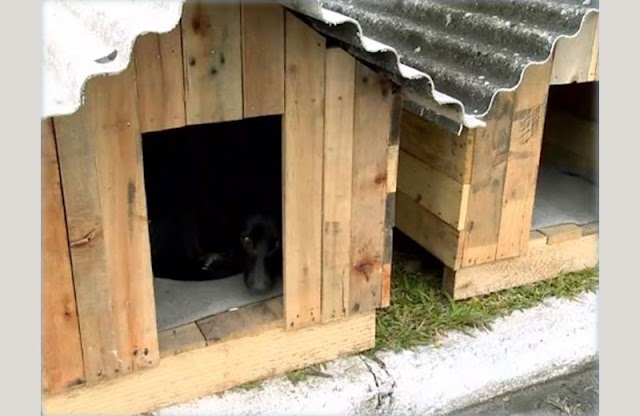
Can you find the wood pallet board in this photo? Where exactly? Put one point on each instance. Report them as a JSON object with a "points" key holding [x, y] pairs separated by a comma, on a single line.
{"points": [[303, 136], [62, 364], [205, 371], [540, 262]]}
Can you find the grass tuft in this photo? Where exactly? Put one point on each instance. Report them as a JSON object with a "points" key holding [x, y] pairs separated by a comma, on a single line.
{"points": [[420, 312]]}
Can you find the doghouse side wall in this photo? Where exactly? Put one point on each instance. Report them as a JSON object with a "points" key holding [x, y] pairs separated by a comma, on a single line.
{"points": [[340, 154], [468, 199]]}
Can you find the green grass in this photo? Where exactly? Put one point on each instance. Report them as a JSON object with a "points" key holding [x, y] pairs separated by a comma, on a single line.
{"points": [[421, 312]]}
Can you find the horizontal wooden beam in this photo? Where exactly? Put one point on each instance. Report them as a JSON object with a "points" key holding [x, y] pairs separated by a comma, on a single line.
{"points": [[218, 367]]}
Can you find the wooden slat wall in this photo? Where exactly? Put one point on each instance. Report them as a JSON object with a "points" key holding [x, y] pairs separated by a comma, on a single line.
{"points": [[211, 42], [373, 109], [263, 59], [521, 176], [338, 162], [159, 72], [490, 152], [576, 59], [101, 168], [61, 349], [303, 137]]}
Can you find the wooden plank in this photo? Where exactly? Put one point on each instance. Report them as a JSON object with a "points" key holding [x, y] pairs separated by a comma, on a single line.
{"points": [[263, 59], [181, 339], [560, 233], [338, 155], [572, 56], [537, 264], [61, 349], [429, 231], [302, 172], [522, 165], [392, 168], [218, 367], [211, 41], [375, 98], [537, 239], [242, 322], [160, 80], [440, 149], [436, 192], [591, 228], [490, 150], [102, 175]]}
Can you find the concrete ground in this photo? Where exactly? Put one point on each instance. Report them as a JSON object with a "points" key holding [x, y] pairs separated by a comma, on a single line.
{"points": [[575, 394], [527, 347]]}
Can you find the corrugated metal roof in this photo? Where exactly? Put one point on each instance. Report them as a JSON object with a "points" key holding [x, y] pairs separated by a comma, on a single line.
{"points": [[82, 39], [451, 56]]}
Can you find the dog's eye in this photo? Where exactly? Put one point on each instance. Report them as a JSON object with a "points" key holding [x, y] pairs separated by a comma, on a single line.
{"points": [[246, 240]]}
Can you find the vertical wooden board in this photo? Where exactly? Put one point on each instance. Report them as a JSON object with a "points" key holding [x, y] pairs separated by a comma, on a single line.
{"points": [[160, 80], [263, 59], [101, 163], [490, 149], [211, 42], [76, 150], [522, 165], [302, 172], [572, 56], [338, 154], [373, 109], [61, 349]]}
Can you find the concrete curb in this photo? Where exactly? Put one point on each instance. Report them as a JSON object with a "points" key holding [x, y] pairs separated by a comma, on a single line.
{"points": [[524, 348]]}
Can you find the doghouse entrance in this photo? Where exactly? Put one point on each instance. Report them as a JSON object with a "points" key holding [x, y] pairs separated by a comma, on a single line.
{"points": [[567, 188], [210, 188]]}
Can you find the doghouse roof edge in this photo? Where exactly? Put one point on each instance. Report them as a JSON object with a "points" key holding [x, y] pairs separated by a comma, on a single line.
{"points": [[451, 56]]}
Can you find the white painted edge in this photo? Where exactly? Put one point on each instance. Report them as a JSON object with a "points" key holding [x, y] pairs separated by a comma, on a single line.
{"points": [[522, 349]]}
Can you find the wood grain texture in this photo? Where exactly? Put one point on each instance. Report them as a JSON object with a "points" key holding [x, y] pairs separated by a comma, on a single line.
{"points": [[433, 190], [211, 41], [591, 228], [262, 59], [181, 339], [375, 98], [160, 80], [537, 239], [490, 151], [303, 137], [206, 371], [438, 148], [429, 231], [572, 57], [61, 349], [102, 175], [338, 162], [540, 262], [525, 146], [560, 233], [243, 322]]}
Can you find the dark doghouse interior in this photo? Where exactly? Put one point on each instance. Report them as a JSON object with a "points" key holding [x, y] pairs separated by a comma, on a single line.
{"points": [[209, 190], [567, 188]]}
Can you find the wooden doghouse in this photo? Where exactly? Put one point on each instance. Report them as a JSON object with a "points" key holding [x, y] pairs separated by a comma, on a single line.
{"points": [[101, 348], [470, 199]]}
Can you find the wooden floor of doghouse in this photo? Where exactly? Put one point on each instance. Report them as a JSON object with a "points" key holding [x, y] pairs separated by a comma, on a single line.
{"points": [[563, 198], [247, 320]]}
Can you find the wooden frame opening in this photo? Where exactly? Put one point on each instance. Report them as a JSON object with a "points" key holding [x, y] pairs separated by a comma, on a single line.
{"points": [[210, 189]]}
